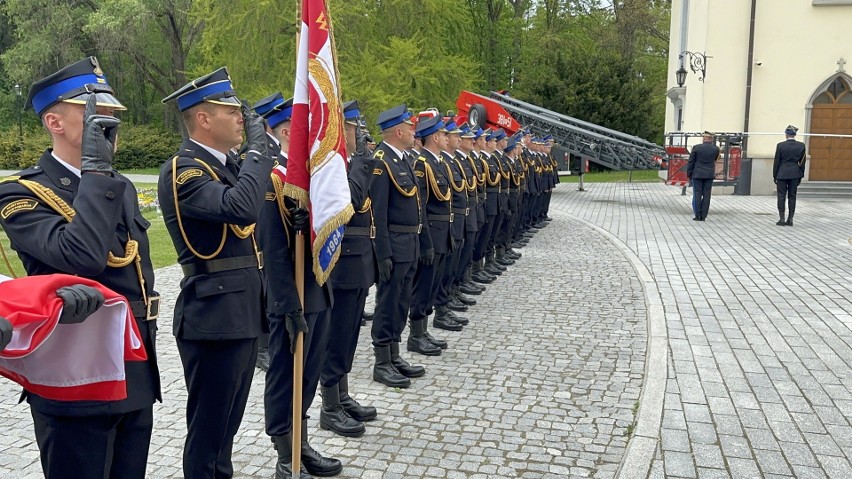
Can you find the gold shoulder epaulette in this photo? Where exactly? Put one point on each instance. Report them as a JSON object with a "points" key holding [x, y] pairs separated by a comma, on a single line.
{"points": [[421, 158], [9, 179]]}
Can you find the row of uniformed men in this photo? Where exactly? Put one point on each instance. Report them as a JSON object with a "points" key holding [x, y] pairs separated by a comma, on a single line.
{"points": [[87, 221]]}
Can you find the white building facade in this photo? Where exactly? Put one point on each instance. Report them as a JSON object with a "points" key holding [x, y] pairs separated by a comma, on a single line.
{"points": [[791, 70]]}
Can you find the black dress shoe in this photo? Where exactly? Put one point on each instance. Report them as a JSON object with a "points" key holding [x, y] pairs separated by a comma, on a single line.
{"points": [[696, 219], [437, 342], [465, 300], [482, 278], [456, 305], [467, 288], [781, 223], [334, 418], [459, 319], [443, 322], [420, 344], [790, 222]]}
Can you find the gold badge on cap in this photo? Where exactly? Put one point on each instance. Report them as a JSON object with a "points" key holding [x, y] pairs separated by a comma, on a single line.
{"points": [[97, 70]]}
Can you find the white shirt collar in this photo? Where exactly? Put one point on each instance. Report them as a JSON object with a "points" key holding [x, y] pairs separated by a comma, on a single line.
{"points": [[70, 168], [218, 154], [398, 153]]}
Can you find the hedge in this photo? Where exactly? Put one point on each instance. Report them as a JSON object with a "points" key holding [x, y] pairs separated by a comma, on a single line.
{"points": [[139, 146]]}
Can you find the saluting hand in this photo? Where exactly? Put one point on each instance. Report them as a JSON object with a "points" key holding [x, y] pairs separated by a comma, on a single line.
{"points": [[255, 127], [294, 323], [98, 141]]}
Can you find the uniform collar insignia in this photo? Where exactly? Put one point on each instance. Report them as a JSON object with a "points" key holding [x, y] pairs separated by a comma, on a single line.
{"points": [[65, 181]]}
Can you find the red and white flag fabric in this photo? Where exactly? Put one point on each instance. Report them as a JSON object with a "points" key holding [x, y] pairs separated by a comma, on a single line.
{"points": [[316, 166], [67, 362]]}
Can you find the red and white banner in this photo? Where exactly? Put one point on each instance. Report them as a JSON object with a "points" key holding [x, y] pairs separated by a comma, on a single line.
{"points": [[67, 362], [316, 168]]}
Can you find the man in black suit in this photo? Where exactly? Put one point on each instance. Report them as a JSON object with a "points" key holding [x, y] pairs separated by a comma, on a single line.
{"points": [[73, 213], [787, 171], [210, 204], [701, 169]]}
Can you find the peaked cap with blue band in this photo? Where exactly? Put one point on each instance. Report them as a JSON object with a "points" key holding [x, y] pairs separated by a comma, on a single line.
{"points": [[479, 132], [428, 126], [511, 144], [352, 113], [791, 130], [499, 134], [466, 132], [450, 126], [394, 116], [275, 109], [73, 84], [214, 88]]}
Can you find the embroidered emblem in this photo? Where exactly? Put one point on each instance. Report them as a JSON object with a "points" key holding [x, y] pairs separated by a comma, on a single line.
{"points": [[17, 207], [189, 174], [420, 174], [65, 181], [377, 171], [270, 196]]}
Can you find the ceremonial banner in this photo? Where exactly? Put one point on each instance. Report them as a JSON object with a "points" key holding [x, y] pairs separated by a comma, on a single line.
{"points": [[67, 362], [316, 167]]}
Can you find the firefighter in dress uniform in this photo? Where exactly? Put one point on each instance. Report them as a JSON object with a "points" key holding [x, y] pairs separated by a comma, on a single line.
{"points": [[210, 205], [73, 213]]}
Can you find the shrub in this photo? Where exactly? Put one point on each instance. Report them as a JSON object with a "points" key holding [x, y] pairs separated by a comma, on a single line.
{"points": [[139, 146]]}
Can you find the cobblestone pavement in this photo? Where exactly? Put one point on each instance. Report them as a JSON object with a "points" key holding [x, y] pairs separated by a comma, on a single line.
{"points": [[759, 321], [542, 384]]}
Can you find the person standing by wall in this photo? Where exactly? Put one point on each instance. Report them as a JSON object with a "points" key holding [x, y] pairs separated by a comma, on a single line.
{"points": [[701, 169], [787, 172]]}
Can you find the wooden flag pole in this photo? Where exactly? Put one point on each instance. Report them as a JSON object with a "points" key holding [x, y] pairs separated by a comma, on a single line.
{"points": [[298, 360]]}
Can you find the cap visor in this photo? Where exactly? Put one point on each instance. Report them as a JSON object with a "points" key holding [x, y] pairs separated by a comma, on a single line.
{"points": [[103, 99], [227, 101]]}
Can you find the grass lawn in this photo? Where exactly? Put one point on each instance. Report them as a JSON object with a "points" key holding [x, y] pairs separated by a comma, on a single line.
{"points": [[613, 177], [142, 171], [162, 251]]}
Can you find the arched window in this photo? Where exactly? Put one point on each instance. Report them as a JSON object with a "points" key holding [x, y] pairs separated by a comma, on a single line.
{"points": [[837, 92]]}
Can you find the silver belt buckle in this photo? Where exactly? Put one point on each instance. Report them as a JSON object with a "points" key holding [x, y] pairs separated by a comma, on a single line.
{"points": [[452, 216], [372, 232], [419, 228], [466, 211]]}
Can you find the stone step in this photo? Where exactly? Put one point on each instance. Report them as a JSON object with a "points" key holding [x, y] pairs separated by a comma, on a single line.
{"points": [[825, 189]]}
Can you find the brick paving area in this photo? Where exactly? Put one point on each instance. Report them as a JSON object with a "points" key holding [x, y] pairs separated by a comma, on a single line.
{"points": [[759, 320], [542, 384]]}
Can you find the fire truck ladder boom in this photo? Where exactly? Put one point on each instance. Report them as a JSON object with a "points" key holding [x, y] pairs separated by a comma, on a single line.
{"points": [[606, 147]]}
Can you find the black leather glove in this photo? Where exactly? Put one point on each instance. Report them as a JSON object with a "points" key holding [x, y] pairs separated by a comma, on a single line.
{"points": [[385, 269], [79, 302], [294, 322], [98, 141], [5, 333], [255, 125], [428, 257], [300, 219]]}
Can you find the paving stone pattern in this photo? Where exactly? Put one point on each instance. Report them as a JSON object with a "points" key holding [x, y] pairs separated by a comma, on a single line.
{"points": [[759, 321], [542, 384]]}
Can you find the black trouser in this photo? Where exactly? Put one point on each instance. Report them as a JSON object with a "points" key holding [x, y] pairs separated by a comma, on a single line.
{"points": [[444, 283], [495, 231], [547, 196], [465, 256], [425, 291], [483, 236], [113, 446], [393, 299], [218, 378], [702, 189], [787, 189], [527, 213], [346, 314], [278, 396]]}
